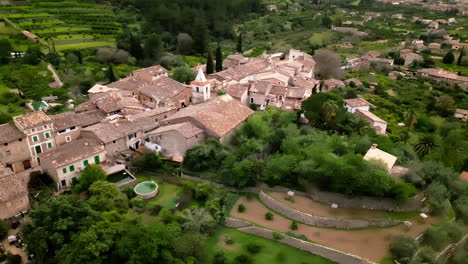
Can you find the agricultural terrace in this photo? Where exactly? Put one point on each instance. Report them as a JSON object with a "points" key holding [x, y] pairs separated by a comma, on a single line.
{"points": [[69, 24], [371, 243]]}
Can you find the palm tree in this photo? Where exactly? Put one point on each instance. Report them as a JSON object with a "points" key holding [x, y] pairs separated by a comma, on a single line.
{"points": [[198, 220], [329, 109], [411, 119], [360, 126], [425, 145]]}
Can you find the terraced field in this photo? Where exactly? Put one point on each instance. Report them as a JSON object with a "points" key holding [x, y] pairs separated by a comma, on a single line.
{"points": [[68, 23]]}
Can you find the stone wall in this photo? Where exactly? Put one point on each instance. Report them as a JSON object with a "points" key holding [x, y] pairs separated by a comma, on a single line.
{"points": [[322, 221], [371, 203], [325, 252], [364, 202], [236, 223]]}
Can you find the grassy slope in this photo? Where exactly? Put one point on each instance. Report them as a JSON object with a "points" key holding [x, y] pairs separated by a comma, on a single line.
{"points": [[272, 252]]}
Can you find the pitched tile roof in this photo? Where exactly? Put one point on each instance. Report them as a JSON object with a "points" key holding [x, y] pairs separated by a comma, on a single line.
{"points": [[236, 90], [9, 132], [464, 176], [217, 117], [72, 152], [262, 87], [162, 89], [461, 111], [357, 102], [370, 116], [377, 154], [10, 185], [31, 120], [64, 120], [186, 129]]}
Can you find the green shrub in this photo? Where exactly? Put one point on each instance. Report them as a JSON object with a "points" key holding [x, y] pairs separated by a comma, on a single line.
{"points": [[241, 208], [228, 240], [155, 209], [277, 236], [253, 248], [13, 259], [3, 230], [219, 258], [137, 202], [293, 225], [281, 257], [242, 259], [403, 248], [269, 216]]}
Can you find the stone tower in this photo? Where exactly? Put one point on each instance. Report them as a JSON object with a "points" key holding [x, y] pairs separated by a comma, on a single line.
{"points": [[201, 88]]}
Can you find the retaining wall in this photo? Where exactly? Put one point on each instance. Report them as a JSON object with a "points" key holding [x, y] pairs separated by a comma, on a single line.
{"points": [[364, 202], [325, 252], [322, 221]]}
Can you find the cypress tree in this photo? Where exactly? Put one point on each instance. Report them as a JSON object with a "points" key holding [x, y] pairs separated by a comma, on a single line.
{"points": [[209, 64], [239, 43], [219, 59], [448, 58], [460, 58], [110, 74]]}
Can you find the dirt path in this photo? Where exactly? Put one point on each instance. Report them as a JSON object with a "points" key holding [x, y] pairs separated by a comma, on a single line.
{"points": [[307, 205], [12, 249], [368, 243]]}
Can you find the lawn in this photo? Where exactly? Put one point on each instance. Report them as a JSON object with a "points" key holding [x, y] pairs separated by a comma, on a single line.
{"points": [[271, 252], [167, 195]]}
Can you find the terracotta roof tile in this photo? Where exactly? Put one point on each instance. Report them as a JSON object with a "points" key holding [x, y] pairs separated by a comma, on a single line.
{"points": [[72, 152], [32, 120], [186, 129], [10, 185], [9, 132]]}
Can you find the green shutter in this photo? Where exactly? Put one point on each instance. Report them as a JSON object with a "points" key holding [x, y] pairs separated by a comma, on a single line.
{"points": [[85, 163], [97, 160], [64, 170], [35, 138], [49, 145], [71, 168], [47, 135]]}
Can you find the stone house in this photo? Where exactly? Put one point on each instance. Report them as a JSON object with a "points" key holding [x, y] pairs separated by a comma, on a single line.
{"points": [[356, 82], [218, 118], [234, 60], [39, 131], [14, 148], [434, 47], [258, 92], [176, 139], [329, 84], [441, 75], [239, 92], [163, 92], [357, 103], [151, 73], [272, 8], [67, 126], [461, 114], [13, 194], [377, 123], [411, 57], [65, 163]]}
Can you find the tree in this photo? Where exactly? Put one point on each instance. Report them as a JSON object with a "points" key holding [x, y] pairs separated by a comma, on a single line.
{"points": [[403, 248], [184, 43], [5, 51], [327, 21], [183, 74], [198, 220], [200, 35], [425, 145], [448, 58], [53, 58], [153, 47], [209, 63], [149, 161], [329, 109], [328, 64], [33, 56], [106, 196], [219, 59], [239, 43], [110, 74], [135, 48], [91, 174], [460, 57], [3, 230]]}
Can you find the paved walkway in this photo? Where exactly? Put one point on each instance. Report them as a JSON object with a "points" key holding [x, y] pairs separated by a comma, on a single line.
{"points": [[57, 82]]}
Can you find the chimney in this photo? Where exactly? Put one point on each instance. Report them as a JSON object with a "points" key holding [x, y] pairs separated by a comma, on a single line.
{"points": [[374, 146], [86, 143]]}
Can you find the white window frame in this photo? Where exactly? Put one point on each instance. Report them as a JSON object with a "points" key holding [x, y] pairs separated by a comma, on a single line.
{"points": [[68, 139], [50, 135]]}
